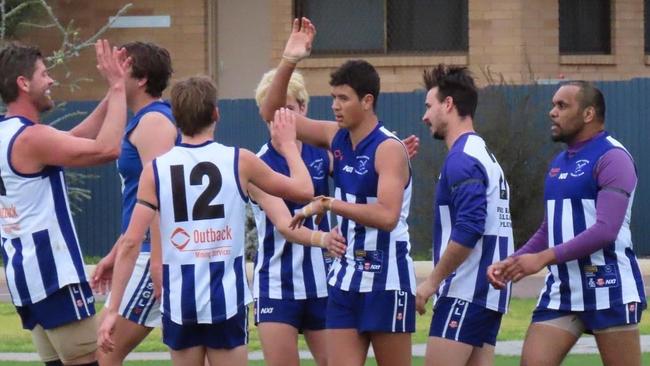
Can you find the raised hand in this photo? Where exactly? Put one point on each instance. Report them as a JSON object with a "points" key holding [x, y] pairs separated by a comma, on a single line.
{"points": [[111, 62], [283, 130], [299, 43]]}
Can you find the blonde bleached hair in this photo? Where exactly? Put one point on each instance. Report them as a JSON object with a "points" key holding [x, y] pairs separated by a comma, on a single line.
{"points": [[295, 89]]}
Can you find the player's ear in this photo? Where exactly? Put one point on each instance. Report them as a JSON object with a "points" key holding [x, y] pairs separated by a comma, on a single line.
{"points": [[215, 114]]}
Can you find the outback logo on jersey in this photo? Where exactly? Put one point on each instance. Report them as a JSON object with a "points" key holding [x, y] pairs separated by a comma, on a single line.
{"points": [[8, 212], [206, 243], [180, 238], [580, 164], [317, 169]]}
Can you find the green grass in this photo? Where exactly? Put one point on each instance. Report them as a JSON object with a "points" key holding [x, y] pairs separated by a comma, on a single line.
{"points": [[572, 360], [14, 339]]}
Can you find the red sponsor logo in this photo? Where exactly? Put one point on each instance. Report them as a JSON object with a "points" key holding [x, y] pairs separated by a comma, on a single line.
{"points": [[400, 316], [632, 307], [554, 172], [80, 303], [366, 266], [180, 238], [600, 282], [453, 324], [338, 154]]}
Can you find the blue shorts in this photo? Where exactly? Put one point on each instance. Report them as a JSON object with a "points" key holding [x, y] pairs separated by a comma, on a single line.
{"points": [[308, 314], [228, 334], [68, 304], [595, 320], [390, 311], [462, 321]]}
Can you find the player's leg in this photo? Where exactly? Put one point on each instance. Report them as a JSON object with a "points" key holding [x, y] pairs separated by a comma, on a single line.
{"points": [[346, 346], [277, 324], [462, 333], [392, 349], [482, 356], [192, 356], [237, 356], [313, 325], [227, 342], [550, 336], [617, 334], [389, 318]]}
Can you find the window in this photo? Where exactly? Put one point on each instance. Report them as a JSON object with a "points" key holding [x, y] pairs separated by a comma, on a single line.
{"points": [[585, 27], [387, 26]]}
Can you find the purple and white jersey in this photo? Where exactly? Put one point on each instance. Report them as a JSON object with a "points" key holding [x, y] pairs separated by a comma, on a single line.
{"points": [[375, 260], [284, 270], [39, 243], [202, 215], [472, 208], [606, 278]]}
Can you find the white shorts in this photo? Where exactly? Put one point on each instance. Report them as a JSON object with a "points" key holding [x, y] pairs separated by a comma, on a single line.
{"points": [[138, 303]]}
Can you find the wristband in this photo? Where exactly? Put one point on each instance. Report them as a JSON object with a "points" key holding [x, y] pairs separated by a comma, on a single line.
{"points": [[317, 238]]}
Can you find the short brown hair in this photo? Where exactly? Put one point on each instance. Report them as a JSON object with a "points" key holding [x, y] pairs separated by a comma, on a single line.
{"points": [[152, 62], [193, 102], [16, 60]]}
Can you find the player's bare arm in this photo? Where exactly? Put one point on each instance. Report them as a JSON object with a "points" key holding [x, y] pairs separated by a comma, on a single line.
{"points": [[279, 214], [128, 248], [33, 149], [392, 168], [298, 187], [90, 126], [454, 255]]}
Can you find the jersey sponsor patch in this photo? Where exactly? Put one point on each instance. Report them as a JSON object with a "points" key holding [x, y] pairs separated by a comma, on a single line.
{"points": [[368, 261], [601, 276]]}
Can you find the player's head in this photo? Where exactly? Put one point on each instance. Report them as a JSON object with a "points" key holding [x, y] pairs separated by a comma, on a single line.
{"points": [[23, 72], [194, 104], [451, 97], [151, 68], [578, 108], [355, 90], [297, 96]]}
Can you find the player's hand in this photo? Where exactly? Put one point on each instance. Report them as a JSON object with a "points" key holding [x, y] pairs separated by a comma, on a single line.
{"points": [[335, 243], [525, 265], [319, 206], [283, 131], [423, 293], [100, 281], [495, 274], [412, 144], [156, 279], [105, 332], [112, 63], [298, 45]]}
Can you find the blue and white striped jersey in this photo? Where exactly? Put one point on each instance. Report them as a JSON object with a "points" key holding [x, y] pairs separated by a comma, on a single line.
{"points": [[129, 164], [606, 278], [39, 243], [284, 270], [470, 165], [375, 260], [202, 216]]}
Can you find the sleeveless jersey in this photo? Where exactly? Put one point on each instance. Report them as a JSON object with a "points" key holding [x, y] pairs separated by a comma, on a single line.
{"points": [[284, 270], [469, 281], [39, 243], [129, 164], [375, 260], [202, 215], [606, 278]]}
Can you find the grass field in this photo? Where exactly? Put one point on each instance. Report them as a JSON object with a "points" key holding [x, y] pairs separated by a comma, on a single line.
{"points": [[14, 339]]}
